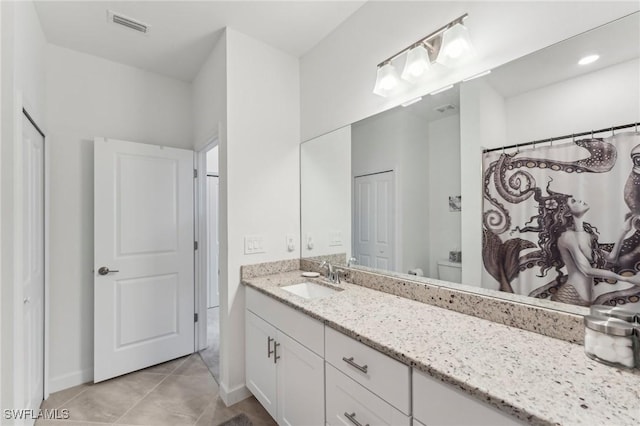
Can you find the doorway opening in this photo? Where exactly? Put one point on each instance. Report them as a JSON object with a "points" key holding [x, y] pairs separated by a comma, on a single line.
{"points": [[208, 232]]}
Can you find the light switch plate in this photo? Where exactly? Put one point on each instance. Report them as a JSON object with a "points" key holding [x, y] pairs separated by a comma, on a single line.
{"points": [[335, 238], [291, 242], [253, 244]]}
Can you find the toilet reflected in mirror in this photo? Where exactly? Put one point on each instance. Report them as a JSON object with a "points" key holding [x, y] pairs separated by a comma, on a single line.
{"points": [[450, 271]]}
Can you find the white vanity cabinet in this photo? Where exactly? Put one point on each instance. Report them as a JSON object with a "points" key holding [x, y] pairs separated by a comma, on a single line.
{"points": [[437, 403], [286, 376], [364, 386]]}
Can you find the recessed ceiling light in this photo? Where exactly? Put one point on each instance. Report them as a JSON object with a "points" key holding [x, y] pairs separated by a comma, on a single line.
{"points": [[588, 59]]}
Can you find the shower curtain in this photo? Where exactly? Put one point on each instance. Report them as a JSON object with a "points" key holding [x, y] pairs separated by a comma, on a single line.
{"points": [[562, 222]]}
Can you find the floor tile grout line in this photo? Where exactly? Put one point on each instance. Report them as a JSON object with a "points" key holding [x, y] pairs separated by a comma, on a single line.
{"points": [[205, 410], [179, 365], [140, 399], [88, 387], [152, 389], [72, 398]]}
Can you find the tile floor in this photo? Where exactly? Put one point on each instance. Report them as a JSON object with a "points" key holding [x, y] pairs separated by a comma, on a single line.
{"points": [[176, 393], [211, 355]]}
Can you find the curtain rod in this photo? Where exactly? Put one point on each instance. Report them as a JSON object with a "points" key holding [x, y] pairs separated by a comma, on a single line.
{"points": [[574, 135]]}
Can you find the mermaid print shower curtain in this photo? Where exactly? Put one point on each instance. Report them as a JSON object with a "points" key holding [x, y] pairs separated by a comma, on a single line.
{"points": [[562, 222]]}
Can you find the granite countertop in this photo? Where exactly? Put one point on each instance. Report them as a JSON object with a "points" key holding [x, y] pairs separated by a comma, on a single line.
{"points": [[538, 379]]}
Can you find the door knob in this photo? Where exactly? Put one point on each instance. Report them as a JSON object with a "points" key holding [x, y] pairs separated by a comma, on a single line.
{"points": [[104, 270], [26, 300]]}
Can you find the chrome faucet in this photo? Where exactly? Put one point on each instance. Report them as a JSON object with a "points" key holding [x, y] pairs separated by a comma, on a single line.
{"points": [[329, 267], [333, 275]]}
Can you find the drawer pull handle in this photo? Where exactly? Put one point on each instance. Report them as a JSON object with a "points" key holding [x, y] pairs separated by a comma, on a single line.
{"points": [[352, 418], [276, 357], [269, 351], [349, 361]]}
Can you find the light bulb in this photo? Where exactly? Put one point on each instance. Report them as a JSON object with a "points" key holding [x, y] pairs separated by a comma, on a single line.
{"points": [[387, 80], [417, 64], [456, 45]]}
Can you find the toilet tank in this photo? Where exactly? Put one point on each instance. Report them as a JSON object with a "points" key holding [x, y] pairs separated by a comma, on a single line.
{"points": [[450, 271]]}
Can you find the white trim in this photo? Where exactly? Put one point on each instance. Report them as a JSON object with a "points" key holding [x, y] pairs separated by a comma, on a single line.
{"points": [[18, 308], [18, 311], [201, 235], [235, 395], [47, 262], [69, 380]]}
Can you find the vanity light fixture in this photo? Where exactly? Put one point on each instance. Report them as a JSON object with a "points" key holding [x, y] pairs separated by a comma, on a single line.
{"points": [[447, 45], [387, 80], [456, 45], [442, 90], [417, 64], [588, 59]]}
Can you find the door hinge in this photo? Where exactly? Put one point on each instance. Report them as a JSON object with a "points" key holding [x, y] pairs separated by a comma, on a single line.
{"points": [[195, 245], [195, 173], [195, 317]]}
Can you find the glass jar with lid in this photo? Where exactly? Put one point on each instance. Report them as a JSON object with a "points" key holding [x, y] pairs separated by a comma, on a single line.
{"points": [[611, 341]]}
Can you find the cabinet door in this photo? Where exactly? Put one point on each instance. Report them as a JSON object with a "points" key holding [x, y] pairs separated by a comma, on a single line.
{"points": [[260, 362], [300, 384]]}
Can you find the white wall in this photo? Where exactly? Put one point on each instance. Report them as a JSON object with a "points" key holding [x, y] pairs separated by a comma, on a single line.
{"points": [[398, 140], [86, 97], [482, 124], [209, 96], [444, 181], [604, 98], [337, 76], [325, 174], [261, 162], [212, 160], [23, 46]]}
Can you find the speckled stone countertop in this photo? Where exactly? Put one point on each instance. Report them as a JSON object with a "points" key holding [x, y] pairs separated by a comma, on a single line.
{"points": [[538, 379]]}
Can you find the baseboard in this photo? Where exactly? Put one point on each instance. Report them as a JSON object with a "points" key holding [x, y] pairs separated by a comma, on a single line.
{"points": [[70, 380], [235, 395]]}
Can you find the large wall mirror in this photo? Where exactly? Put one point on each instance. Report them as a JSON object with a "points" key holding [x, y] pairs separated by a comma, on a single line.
{"points": [[402, 191]]}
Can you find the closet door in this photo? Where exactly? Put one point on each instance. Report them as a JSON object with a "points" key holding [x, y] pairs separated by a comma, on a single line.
{"points": [[32, 256], [374, 220]]}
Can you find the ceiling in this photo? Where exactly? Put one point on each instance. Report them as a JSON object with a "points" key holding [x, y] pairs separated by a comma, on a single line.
{"points": [[615, 42], [183, 33]]}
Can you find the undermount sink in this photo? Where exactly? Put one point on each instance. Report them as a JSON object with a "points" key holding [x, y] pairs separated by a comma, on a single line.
{"points": [[310, 290]]}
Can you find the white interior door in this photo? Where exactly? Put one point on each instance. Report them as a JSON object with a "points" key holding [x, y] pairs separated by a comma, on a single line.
{"points": [[213, 297], [33, 262], [144, 256], [374, 222]]}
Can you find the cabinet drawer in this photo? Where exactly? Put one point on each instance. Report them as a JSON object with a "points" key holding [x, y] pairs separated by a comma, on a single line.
{"points": [[346, 397], [304, 329], [437, 403], [384, 376]]}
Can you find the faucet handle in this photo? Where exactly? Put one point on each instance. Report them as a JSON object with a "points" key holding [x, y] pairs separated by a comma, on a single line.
{"points": [[338, 273], [351, 261]]}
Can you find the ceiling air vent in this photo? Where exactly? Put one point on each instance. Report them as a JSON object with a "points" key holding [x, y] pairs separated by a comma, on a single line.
{"points": [[445, 108], [116, 18]]}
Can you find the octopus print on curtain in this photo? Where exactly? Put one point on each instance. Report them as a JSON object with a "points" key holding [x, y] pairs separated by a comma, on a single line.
{"points": [[562, 222]]}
